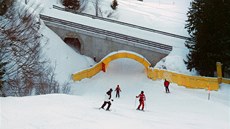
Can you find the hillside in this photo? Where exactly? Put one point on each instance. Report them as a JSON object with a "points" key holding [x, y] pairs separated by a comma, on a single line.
{"points": [[181, 109], [129, 11]]}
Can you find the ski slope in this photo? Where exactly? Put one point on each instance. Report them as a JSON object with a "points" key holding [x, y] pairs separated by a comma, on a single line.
{"points": [[181, 109]]}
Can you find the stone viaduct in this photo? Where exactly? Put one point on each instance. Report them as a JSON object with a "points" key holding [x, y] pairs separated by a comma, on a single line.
{"points": [[95, 42]]}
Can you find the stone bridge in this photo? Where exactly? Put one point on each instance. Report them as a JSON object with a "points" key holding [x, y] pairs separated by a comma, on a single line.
{"points": [[95, 42]]}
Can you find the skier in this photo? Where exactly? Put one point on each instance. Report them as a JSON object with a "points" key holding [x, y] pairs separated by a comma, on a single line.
{"points": [[118, 90], [166, 84], [108, 99], [94, 58], [142, 99]]}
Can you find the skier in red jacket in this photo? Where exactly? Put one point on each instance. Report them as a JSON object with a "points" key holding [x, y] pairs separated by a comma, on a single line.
{"points": [[142, 99], [118, 90], [166, 84]]}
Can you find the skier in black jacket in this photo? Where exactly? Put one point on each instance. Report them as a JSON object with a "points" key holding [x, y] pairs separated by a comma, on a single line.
{"points": [[108, 99]]}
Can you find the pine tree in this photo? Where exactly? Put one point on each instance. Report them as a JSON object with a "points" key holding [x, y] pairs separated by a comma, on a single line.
{"points": [[209, 27], [114, 4], [72, 4]]}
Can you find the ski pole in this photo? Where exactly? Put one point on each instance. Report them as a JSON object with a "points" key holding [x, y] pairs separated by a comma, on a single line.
{"points": [[209, 93], [135, 102]]}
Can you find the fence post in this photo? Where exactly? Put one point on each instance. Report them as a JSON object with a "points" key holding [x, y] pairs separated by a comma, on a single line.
{"points": [[219, 72]]}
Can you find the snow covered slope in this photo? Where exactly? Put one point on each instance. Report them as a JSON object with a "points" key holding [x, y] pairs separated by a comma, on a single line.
{"points": [[181, 109], [65, 60]]}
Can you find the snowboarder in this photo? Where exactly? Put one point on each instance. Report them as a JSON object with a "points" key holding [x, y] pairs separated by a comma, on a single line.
{"points": [[166, 84], [118, 90], [108, 99], [142, 99]]}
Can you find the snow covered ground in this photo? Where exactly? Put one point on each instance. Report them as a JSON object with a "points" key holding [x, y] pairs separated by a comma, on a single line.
{"points": [[65, 59], [181, 109], [165, 15]]}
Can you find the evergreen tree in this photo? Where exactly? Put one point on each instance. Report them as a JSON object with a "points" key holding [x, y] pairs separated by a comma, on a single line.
{"points": [[114, 4], [72, 4], [209, 27]]}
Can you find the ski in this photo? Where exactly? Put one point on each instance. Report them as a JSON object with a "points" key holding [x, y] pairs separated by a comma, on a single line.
{"points": [[104, 109], [141, 110]]}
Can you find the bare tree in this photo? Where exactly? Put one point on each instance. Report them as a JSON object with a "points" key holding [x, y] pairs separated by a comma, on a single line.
{"points": [[83, 5], [46, 82], [98, 11], [66, 88], [21, 49]]}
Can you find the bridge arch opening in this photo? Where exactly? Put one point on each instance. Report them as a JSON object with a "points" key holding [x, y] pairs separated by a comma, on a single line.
{"points": [[124, 54], [103, 64], [74, 43], [125, 67]]}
